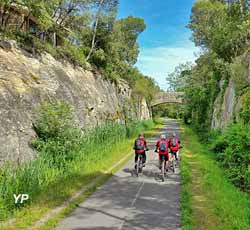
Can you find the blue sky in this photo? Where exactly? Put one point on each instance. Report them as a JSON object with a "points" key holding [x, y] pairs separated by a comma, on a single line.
{"points": [[166, 41]]}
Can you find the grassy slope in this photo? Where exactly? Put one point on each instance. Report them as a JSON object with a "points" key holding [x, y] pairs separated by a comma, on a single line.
{"points": [[66, 187], [208, 200]]}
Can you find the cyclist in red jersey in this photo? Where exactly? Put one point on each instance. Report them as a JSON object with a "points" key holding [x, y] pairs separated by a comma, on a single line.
{"points": [[174, 145], [162, 149], [140, 147]]}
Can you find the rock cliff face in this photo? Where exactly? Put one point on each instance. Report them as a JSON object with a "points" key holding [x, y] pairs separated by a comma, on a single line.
{"points": [[26, 81], [224, 106]]}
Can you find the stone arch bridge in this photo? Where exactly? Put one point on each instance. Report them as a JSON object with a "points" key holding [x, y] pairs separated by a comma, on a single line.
{"points": [[168, 97]]}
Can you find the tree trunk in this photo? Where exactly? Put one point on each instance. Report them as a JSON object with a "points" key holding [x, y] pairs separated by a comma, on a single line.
{"points": [[2, 19], [25, 19], [97, 18], [242, 6], [6, 23]]}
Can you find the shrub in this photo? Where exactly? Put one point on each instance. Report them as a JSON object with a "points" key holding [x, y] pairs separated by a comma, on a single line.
{"points": [[233, 151], [245, 112], [99, 58], [73, 53], [53, 120], [57, 134]]}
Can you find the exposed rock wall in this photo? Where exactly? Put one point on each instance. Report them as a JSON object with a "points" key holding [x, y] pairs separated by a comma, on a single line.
{"points": [[224, 106], [26, 81], [228, 104]]}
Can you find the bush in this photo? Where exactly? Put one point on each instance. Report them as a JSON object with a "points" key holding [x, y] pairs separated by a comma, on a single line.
{"points": [[57, 134], [53, 120], [233, 151], [98, 58], [73, 53]]}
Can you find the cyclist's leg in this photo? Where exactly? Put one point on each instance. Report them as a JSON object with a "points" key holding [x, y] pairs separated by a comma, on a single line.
{"points": [[170, 157], [167, 162], [144, 157], [140, 162], [160, 161], [178, 155], [174, 157], [136, 158], [175, 154], [164, 161]]}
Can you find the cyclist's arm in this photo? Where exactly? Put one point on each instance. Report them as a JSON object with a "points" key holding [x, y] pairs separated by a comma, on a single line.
{"points": [[134, 145], [156, 146]]}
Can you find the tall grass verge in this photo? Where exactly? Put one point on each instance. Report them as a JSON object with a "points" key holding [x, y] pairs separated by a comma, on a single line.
{"points": [[209, 200], [68, 157]]}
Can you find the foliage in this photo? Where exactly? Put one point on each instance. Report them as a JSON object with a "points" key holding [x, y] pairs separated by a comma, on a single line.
{"points": [[176, 79], [53, 119], [168, 110], [221, 26], [240, 73], [245, 111], [232, 149]]}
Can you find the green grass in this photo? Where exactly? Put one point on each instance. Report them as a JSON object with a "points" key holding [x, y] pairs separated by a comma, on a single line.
{"points": [[49, 185], [208, 200]]}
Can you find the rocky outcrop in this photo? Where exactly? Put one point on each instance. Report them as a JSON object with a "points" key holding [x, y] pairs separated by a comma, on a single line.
{"points": [[228, 104], [224, 106], [26, 81]]}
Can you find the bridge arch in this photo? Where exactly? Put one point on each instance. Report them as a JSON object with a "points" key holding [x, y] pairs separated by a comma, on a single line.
{"points": [[168, 97]]}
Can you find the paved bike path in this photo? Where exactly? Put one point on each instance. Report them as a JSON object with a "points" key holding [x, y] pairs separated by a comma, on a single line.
{"points": [[126, 202]]}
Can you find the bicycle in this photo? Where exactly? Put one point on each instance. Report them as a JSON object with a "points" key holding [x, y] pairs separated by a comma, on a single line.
{"points": [[163, 169], [139, 164], [163, 163], [173, 161]]}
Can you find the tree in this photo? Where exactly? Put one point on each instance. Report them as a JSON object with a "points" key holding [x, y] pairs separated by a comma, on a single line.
{"points": [[124, 38], [176, 80], [104, 8]]}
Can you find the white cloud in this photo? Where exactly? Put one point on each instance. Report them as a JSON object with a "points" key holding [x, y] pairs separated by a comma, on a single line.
{"points": [[158, 62]]}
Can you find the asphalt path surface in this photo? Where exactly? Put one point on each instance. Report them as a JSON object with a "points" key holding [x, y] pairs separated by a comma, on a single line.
{"points": [[127, 202]]}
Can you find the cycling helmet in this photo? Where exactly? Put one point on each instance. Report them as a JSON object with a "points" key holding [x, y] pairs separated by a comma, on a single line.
{"points": [[174, 134]]}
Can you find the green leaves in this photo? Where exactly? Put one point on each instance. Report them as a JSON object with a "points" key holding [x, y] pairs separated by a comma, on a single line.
{"points": [[245, 111], [220, 27], [53, 119], [233, 148]]}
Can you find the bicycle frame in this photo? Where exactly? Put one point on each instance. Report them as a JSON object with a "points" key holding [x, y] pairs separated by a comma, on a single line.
{"points": [[138, 165], [173, 161]]}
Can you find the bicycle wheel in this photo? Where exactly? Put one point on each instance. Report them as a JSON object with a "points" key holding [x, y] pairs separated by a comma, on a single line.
{"points": [[138, 166], [163, 170], [173, 164]]}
